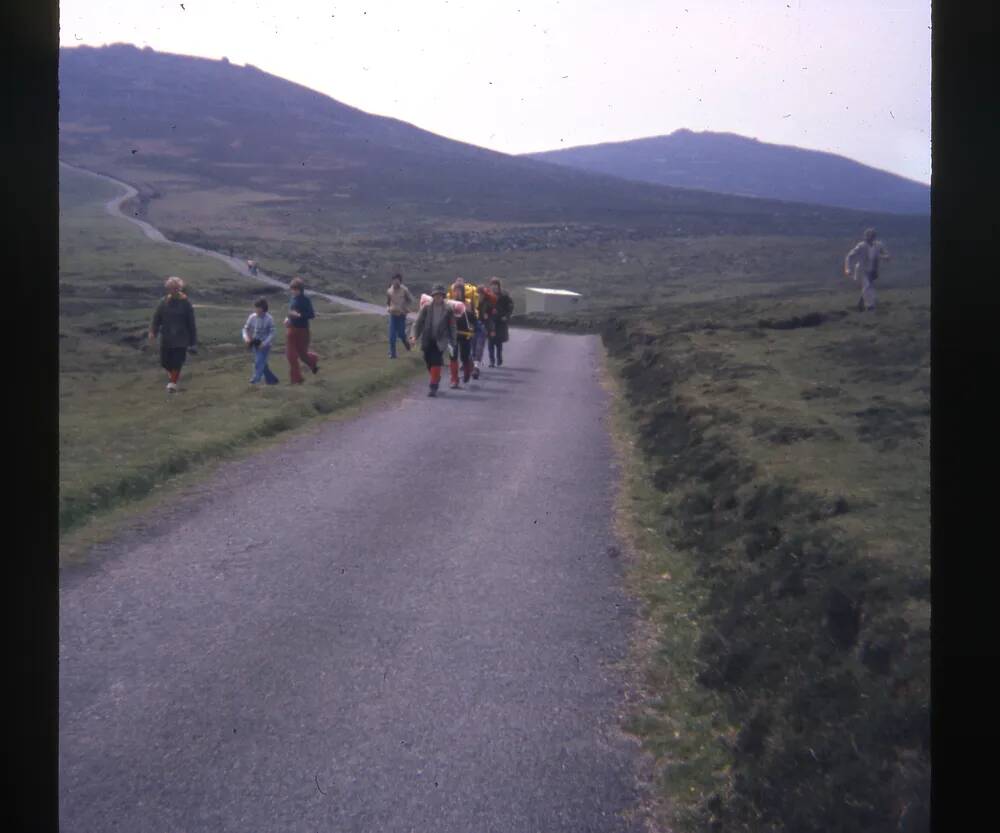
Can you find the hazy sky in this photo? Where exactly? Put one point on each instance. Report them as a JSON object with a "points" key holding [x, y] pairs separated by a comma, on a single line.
{"points": [[846, 76]]}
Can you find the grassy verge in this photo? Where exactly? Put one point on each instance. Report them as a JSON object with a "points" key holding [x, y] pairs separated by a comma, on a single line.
{"points": [[776, 493], [121, 434]]}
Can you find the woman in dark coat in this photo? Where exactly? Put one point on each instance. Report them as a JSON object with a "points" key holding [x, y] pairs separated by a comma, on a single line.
{"points": [[499, 321], [173, 322]]}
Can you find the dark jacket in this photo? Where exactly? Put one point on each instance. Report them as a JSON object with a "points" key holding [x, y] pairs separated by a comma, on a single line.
{"points": [[504, 310], [447, 331], [173, 322], [303, 306]]}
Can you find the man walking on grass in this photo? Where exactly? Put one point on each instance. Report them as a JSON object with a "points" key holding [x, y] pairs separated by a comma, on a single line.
{"points": [[865, 258], [397, 301]]}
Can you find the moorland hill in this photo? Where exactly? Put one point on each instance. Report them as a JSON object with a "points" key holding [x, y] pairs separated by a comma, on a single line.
{"points": [[733, 164], [167, 119]]}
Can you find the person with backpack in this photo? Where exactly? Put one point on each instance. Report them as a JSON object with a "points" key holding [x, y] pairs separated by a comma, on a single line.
{"points": [[436, 331], [173, 322], [503, 309], [865, 258], [466, 323], [397, 302], [300, 313]]}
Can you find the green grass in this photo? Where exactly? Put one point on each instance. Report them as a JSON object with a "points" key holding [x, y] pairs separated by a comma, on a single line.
{"points": [[777, 494], [775, 486], [121, 434]]}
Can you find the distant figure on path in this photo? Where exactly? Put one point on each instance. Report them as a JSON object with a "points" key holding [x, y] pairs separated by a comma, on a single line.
{"points": [[466, 329], [258, 333], [436, 330], [865, 258], [173, 322], [300, 312], [504, 309], [397, 300], [252, 267]]}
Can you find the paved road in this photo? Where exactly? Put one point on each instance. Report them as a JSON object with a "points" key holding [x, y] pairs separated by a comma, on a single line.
{"points": [[114, 208], [405, 622]]}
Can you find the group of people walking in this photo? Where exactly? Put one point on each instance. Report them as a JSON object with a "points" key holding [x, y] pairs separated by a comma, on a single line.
{"points": [[460, 323], [173, 322]]}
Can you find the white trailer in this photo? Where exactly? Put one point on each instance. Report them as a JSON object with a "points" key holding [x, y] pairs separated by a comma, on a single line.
{"points": [[537, 299]]}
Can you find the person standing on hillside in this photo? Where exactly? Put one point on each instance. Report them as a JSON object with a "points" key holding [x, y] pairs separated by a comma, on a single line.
{"points": [[865, 258], [173, 322], [466, 329], [397, 302], [500, 320], [300, 313], [436, 330], [258, 333]]}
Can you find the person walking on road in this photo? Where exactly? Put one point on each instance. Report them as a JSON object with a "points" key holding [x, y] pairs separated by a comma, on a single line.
{"points": [[436, 330], [258, 334], [466, 329], [173, 322], [487, 318], [300, 312], [479, 339], [865, 259], [500, 319], [397, 301]]}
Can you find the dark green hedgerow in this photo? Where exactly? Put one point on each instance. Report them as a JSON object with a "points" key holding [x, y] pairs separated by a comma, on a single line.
{"points": [[804, 637]]}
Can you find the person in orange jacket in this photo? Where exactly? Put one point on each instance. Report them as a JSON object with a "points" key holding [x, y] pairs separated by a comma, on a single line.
{"points": [[466, 322]]}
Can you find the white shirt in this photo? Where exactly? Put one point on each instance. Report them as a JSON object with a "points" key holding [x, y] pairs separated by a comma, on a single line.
{"points": [[865, 257]]}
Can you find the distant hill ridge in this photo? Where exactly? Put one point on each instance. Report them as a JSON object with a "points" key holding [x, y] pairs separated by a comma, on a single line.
{"points": [[734, 164], [168, 119]]}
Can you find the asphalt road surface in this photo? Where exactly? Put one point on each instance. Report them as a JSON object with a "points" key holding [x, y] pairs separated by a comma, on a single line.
{"points": [[409, 621]]}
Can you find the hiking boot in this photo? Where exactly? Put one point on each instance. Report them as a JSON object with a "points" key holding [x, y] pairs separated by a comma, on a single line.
{"points": [[475, 373], [171, 387], [455, 386], [433, 391], [315, 368]]}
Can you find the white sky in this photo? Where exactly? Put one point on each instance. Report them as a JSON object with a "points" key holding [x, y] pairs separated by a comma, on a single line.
{"points": [[847, 76]]}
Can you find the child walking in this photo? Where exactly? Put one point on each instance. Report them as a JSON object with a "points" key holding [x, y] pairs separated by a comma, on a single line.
{"points": [[300, 313], [436, 331], [258, 333]]}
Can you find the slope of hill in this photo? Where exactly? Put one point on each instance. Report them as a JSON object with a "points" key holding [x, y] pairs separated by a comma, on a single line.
{"points": [[183, 119], [728, 163]]}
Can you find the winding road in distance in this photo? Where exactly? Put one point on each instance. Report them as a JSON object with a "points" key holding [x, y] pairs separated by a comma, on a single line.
{"points": [[413, 620], [114, 208]]}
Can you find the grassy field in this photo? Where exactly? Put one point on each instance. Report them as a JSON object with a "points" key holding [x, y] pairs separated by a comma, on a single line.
{"points": [[777, 498], [776, 480], [121, 435]]}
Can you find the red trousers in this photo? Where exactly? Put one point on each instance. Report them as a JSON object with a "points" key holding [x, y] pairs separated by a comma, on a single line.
{"points": [[297, 347]]}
